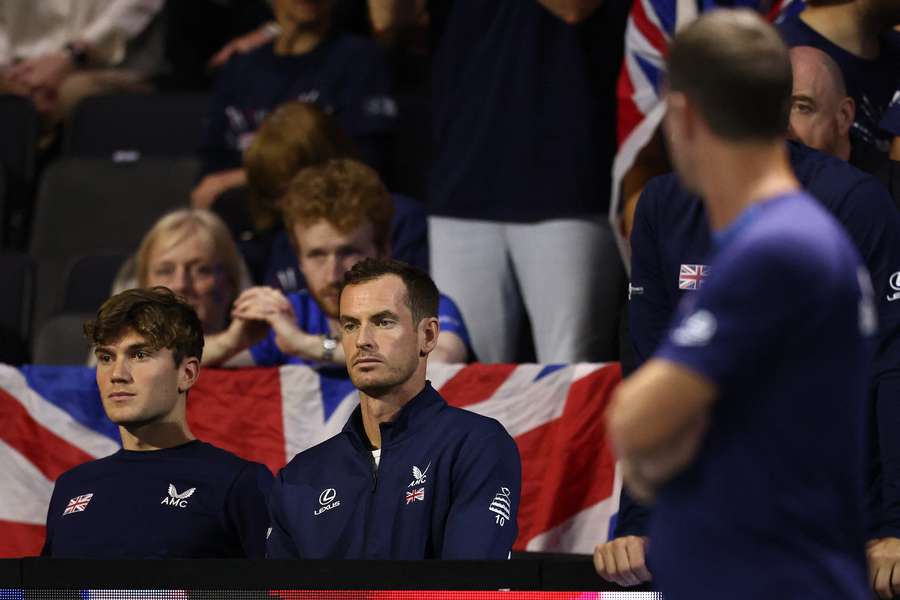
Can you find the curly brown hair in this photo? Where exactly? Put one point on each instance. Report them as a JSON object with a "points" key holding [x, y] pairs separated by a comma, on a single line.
{"points": [[343, 192], [158, 314], [292, 137]]}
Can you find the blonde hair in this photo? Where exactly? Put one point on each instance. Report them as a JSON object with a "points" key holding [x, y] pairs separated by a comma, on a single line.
{"points": [[182, 223]]}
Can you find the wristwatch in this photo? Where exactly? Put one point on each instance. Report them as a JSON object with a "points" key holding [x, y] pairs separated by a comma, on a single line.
{"points": [[329, 345], [77, 53]]}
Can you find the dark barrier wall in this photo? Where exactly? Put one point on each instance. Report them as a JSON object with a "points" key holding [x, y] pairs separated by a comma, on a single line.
{"points": [[520, 574]]}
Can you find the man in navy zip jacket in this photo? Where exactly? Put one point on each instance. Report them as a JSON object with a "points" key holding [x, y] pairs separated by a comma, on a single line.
{"points": [[409, 477], [165, 494]]}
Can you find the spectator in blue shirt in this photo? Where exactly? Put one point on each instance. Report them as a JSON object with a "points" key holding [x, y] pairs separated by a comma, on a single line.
{"points": [[294, 136], [165, 494], [859, 36], [409, 477], [337, 214]]}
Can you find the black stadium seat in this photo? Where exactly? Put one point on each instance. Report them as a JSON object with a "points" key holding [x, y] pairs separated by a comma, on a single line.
{"points": [[60, 341], [89, 280], [17, 275], [20, 127], [137, 125], [92, 205]]}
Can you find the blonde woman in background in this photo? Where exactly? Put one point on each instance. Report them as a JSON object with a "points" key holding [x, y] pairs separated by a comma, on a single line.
{"points": [[191, 252]]}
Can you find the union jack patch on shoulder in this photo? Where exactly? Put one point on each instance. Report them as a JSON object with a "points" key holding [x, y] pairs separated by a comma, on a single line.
{"points": [[78, 504], [690, 277]]}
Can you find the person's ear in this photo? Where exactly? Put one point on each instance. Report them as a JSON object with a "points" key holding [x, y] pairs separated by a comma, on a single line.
{"points": [[189, 373], [845, 115], [679, 118], [429, 329]]}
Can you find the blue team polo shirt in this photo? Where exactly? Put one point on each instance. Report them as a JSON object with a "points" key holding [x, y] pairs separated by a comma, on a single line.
{"points": [[772, 506], [311, 319]]}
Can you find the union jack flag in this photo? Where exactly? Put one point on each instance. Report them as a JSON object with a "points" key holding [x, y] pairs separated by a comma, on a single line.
{"points": [[416, 494], [690, 277], [649, 31], [52, 420], [78, 504]]}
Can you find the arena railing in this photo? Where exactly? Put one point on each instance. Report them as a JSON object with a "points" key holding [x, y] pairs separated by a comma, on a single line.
{"points": [[533, 573]]}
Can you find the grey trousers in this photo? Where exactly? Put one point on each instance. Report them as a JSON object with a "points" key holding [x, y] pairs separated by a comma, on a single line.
{"points": [[565, 273]]}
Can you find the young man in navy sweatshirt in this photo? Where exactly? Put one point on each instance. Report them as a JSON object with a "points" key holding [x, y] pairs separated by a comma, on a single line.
{"points": [[165, 494], [409, 477]]}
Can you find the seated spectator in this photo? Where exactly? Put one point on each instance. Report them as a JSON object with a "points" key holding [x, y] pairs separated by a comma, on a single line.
{"points": [[821, 111], [191, 252], [343, 74], [859, 36], [165, 494], [296, 135], [57, 52], [337, 214], [822, 116]]}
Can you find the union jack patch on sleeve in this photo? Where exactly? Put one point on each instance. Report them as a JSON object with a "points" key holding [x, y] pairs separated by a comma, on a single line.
{"points": [[690, 277]]}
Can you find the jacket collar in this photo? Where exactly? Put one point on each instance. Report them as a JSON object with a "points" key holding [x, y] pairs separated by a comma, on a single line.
{"points": [[411, 418]]}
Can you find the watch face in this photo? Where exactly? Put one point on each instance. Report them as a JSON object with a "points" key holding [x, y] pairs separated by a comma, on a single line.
{"points": [[329, 343]]}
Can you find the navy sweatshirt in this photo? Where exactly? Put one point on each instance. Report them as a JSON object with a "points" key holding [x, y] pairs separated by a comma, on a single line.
{"points": [[671, 237], [190, 501], [344, 75], [524, 111], [447, 486]]}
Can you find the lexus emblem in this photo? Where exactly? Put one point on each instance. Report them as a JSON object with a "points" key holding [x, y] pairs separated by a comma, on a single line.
{"points": [[327, 496]]}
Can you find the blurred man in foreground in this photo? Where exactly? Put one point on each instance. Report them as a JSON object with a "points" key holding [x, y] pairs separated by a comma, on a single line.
{"points": [[702, 426]]}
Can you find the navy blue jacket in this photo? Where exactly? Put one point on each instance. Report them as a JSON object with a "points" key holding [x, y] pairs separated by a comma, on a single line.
{"points": [[447, 487], [190, 501], [671, 230]]}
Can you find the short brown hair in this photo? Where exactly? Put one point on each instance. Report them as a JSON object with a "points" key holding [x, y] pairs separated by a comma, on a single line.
{"points": [[736, 68], [422, 295], [293, 136], [343, 192], [161, 317]]}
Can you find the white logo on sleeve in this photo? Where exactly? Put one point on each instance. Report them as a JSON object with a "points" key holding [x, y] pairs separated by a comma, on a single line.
{"points": [[501, 506], [419, 476], [894, 281], [327, 500], [696, 330], [175, 499]]}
